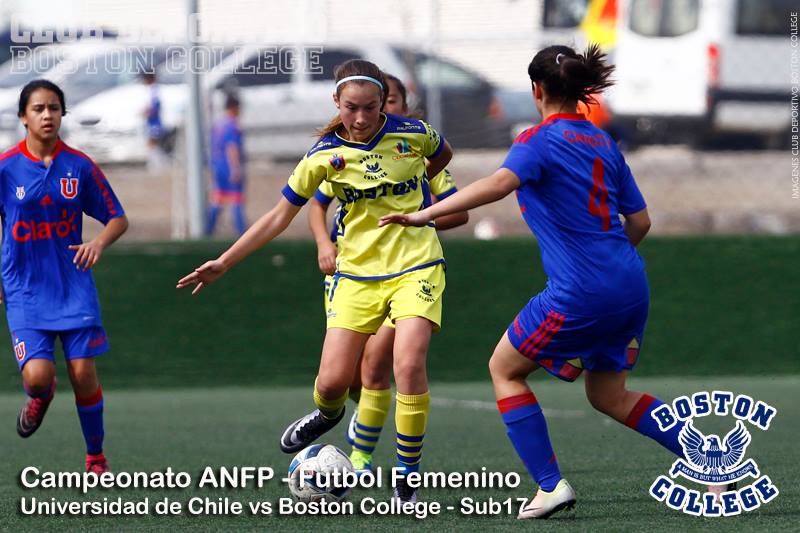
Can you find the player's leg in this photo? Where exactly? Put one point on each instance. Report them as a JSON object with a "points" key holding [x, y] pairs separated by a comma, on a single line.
{"points": [[607, 393], [413, 399], [338, 363], [34, 354], [375, 399], [217, 199], [81, 346], [238, 212], [416, 307], [527, 339]]}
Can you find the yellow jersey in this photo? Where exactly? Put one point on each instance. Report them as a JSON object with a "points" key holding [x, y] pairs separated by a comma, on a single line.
{"points": [[383, 175]]}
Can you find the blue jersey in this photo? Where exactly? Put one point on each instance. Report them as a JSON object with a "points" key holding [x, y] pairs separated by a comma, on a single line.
{"points": [[225, 133], [42, 209], [574, 185], [155, 128]]}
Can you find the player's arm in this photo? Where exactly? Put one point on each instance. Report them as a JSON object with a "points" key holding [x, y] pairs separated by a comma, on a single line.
{"points": [[317, 222], [439, 162], [451, 221], [263, 231], [484, 191], [87, 254], [636, 226], [234, 158]]}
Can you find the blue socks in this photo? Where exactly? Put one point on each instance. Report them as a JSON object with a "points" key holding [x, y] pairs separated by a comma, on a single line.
{"points": [[640, 420], [90, 412], [527, 429]]}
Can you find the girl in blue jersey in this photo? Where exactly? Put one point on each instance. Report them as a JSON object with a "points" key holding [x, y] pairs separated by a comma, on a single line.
{"points": [[572, 183], [45, 188]]}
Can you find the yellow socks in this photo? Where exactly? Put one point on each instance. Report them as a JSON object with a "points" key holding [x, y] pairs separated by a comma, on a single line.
{"points": [[373, 410], [411, 418]]}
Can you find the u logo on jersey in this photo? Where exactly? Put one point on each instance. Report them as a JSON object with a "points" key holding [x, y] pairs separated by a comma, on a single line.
{"points": [[69, 188], [19, 350]]}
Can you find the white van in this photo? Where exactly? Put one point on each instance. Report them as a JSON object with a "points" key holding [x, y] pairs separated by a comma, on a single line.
{"points": [[688, 70]]}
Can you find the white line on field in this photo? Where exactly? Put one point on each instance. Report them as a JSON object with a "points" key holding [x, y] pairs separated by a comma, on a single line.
{"points": [[479, 405]]}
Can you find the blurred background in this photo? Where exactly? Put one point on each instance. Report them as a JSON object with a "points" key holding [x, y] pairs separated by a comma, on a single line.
{"points": [[701, 105]]}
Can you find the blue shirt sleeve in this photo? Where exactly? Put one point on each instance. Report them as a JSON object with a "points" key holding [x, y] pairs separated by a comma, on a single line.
{"points": [[630, 198], [97, 197], [526, 160]]}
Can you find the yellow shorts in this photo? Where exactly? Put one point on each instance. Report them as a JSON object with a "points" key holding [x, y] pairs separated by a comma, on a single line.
{"points": [[365, 305]]}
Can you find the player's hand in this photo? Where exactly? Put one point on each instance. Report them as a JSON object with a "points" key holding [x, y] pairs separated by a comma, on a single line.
{"points": [[326, 257], [86, 255], [411, 219], [208, 272]]}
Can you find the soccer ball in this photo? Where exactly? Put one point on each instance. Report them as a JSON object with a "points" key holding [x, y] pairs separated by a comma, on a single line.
{"points": [[311, 474]]}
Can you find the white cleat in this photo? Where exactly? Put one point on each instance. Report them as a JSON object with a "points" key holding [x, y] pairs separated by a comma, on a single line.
{"points": [[545, 504]]}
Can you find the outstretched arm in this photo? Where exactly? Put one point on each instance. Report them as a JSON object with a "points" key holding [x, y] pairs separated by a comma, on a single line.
{"points": [[484, 191], [263, 231], [326, 250]]}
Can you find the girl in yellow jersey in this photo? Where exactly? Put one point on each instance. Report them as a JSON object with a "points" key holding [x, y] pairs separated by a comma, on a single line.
{"points": [[377, 165], [374, 371]]}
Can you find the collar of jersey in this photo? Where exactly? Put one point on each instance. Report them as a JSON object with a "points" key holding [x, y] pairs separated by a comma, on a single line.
{"points": [[24, 149], [370, 144], [564, 116]]}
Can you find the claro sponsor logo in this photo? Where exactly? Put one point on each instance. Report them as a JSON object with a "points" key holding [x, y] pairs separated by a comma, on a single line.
{"points": [[32, 230]]}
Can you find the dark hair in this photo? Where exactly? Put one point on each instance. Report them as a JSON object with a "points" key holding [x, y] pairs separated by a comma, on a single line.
{"points": [[34, 85], [231, 101], [566, 74], [401, 88], [148, 77], [355, 67]]}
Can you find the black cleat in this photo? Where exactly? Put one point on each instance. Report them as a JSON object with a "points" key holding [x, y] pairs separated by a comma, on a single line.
{"points": [[403, 492], [306, 430]]}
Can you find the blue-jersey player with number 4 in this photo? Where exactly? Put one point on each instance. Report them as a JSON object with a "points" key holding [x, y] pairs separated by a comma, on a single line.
{"points": [[572, 185]]}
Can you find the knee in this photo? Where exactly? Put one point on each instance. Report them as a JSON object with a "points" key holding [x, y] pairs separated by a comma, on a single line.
{"points": [[604, 402], [500, 371], [38, 377], [84, 378], [409, 368], [332, 387]]}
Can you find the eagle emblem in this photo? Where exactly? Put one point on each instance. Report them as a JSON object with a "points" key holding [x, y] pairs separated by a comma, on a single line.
{"points": [[710, 455]]}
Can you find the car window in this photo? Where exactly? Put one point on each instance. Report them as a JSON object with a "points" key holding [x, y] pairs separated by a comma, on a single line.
{"points": [[762, 17], [324, 62], [564, 13], [270, 66], [664, 18], [429, 71]]}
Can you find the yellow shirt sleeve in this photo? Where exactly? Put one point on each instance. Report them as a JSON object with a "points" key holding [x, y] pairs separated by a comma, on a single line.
{"points": [[429, 143], [443, 184], [304, 181]]}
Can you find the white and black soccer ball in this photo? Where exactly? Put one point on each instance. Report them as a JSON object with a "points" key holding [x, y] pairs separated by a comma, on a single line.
{"points": [[313, 466]]}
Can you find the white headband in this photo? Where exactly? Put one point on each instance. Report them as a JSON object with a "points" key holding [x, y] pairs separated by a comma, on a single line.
{"points": [[362, 78]]}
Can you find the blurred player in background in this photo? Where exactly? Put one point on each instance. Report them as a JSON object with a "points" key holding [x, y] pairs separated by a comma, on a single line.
{"points": [[227, 165], [156, 158], [47, 282], [572, 183], [377, 164], [371, 387]]}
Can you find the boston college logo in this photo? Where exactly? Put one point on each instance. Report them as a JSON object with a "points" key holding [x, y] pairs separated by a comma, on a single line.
{"points": [[69, 187]]}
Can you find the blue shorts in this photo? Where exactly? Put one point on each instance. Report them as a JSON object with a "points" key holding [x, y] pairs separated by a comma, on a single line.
{"points": [[565, 344], [40, 344]]}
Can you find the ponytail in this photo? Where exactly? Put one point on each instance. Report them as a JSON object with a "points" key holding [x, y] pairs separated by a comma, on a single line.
{"points": [[574, 77]]}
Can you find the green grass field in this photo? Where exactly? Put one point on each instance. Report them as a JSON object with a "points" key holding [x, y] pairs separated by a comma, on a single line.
{"points": [[610, 466], [213, 380]]}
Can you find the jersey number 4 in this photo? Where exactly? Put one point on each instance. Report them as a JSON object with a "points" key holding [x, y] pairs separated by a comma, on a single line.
{"points": [[598, 196]]}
